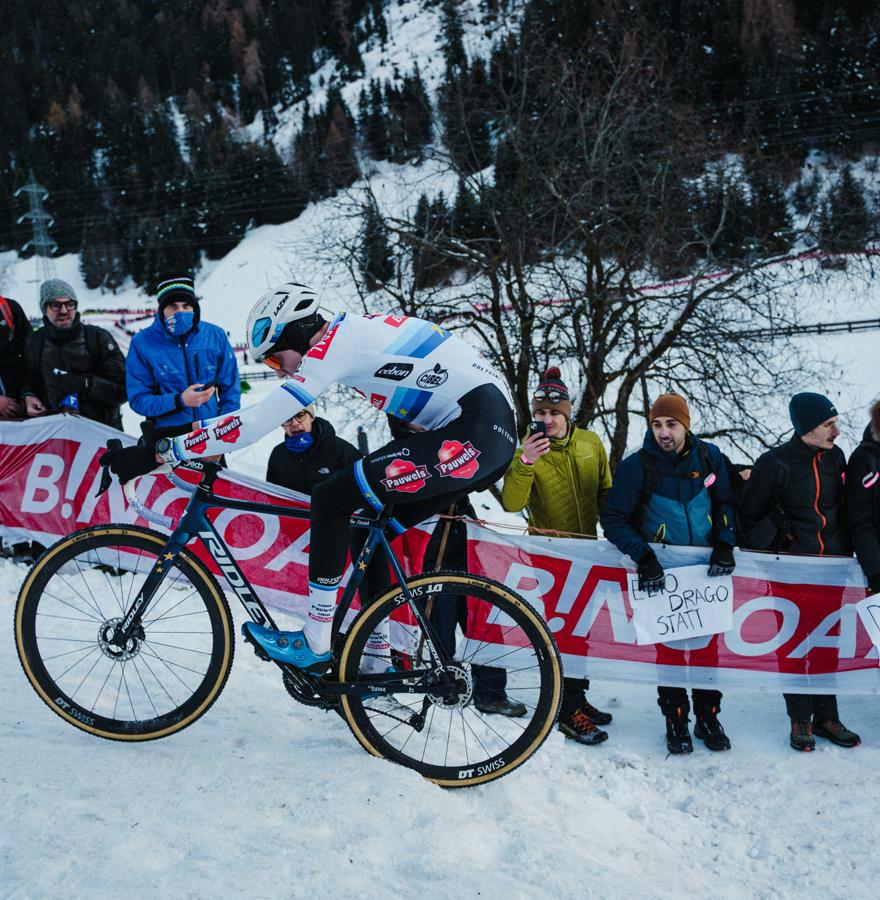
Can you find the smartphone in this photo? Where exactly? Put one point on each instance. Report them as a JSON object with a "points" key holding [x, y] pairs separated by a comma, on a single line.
{"points": [[537, 428], [213, 384]]}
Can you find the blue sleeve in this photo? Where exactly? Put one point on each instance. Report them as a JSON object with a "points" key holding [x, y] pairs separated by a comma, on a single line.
{"points": [[139, 385], [723, 513], [620, 512], [227, 375]]}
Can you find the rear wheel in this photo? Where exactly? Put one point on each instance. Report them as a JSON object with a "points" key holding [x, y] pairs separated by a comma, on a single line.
{"points": [[170, 671], [500, 646]]}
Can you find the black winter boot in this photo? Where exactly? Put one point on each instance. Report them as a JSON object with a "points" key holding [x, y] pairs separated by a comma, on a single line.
{"points": [[678, 737], [708, 729]]}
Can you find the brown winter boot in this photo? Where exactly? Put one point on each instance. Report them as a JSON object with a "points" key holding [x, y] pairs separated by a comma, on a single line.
{"points": [[802, 735], [836, 732]]}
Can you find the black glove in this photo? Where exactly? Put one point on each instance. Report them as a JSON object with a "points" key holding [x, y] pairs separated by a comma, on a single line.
{"points": [[651, 574], [129, 462], [721, 562], [71, 383], [874, 584]]}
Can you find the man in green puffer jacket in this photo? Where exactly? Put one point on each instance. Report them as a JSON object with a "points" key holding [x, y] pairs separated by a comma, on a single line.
{"points": [[561, 478]]}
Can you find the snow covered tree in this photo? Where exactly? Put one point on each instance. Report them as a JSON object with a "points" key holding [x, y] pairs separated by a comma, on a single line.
{"points": [[376, 261], [845, 222]]}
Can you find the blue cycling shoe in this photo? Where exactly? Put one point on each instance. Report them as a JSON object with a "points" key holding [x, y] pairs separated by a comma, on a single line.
{"points": [[285, 646]]}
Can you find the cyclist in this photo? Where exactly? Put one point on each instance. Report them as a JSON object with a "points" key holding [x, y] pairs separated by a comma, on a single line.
{"points": [[410, 368]]}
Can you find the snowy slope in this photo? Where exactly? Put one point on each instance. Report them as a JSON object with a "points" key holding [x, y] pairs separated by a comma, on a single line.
{"points": [[264, 798]]}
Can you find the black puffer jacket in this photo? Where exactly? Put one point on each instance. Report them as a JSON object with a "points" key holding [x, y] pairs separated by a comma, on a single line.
{"points": [[12, 342], [302, 471], [863, 498], [793, 501], [67, 350]]}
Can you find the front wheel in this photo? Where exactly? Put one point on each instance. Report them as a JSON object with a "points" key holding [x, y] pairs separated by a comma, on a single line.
{"points": [[169, 672], [500, 647]]}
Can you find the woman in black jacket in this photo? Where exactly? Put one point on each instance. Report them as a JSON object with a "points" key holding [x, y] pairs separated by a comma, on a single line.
{"points": [[863, 500]]}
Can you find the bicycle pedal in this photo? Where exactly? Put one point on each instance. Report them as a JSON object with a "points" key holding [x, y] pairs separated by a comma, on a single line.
{"points": [[259, 652]]}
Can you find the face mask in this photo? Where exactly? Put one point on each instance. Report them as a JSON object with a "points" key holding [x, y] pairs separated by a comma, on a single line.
{"points": [[299, 443], [179, 323]]}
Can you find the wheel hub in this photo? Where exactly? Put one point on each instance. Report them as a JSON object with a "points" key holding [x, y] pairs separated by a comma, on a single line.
{"points": [[458, 692], [115, 651]]}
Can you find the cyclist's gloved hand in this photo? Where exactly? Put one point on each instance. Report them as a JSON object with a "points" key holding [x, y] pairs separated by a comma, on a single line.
{"points": [[721, 562], [129, 462], [651, 574]]}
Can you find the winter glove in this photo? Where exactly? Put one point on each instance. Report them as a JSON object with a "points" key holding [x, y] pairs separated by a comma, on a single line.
{"points": [[874, 584], [721, 562], [129, 462], [71, 383], [651, 574]]}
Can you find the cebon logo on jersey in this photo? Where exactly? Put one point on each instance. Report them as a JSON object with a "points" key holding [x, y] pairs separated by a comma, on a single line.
{"points": [[457, 460], [229, 430], [196, 441], [404, 475], [394, 371]]}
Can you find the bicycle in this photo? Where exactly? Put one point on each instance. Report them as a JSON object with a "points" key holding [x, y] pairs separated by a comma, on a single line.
{"points": [[127, 635]]}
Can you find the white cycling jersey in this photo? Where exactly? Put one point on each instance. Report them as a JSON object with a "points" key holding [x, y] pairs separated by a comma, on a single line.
{"points": [[407, 367]]}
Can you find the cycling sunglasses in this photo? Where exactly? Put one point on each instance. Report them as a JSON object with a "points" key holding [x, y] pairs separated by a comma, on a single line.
{"points": [[272, 362], [552, 396]]}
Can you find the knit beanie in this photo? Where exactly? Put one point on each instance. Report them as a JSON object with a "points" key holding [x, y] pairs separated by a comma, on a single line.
{"points": [[552, 393], [55, 289], [808, 410], [173, 290], [671, 406]]}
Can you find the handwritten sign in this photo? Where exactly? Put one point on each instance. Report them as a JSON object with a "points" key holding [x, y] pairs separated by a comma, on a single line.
{"points": [[690, 604], [869, 613]]}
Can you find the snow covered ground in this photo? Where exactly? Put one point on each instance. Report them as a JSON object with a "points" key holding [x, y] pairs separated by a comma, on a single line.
{"points": [[265, 798]]}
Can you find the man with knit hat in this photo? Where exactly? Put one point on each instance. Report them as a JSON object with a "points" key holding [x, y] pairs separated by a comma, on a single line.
{"points": [[560, 475], [70, 365], [793, 503], [181, 369], [675, 490]]}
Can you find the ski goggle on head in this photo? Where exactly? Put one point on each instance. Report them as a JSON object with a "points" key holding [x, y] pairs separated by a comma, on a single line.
{"points": [[552, 395]]}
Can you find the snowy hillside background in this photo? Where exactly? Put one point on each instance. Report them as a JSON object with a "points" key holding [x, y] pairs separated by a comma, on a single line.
{"points": [[263, 798]]}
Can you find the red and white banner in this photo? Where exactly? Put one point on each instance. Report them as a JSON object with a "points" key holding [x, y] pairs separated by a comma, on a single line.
{"points": [[795, 625]]}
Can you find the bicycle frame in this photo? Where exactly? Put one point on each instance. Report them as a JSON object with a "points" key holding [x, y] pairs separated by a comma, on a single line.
{"points": [[194, 523]]}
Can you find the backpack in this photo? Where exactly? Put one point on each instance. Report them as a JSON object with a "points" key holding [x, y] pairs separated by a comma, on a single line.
{"points": [[6, 313], [93, 345], [651, 475]]}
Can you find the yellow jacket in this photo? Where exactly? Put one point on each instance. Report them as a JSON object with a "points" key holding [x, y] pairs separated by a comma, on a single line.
{"points": [[565, 488]]}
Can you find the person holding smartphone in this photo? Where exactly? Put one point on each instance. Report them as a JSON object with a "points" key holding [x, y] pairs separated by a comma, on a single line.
{"points": [[560, 476], [181, 369]]}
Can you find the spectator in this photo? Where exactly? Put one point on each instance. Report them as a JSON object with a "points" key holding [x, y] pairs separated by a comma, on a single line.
{"points": [[179, 364], [70, 365], [562, 478], [794, 503], [309, 453], [14, 329], [667, 493], [863, 500]]}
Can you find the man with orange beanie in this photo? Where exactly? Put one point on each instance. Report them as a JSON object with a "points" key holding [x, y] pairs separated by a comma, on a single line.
{"points": [[675, 490]]}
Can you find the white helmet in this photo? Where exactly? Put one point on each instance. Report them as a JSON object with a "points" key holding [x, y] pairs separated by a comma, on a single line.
{"points": [[275, 311]]}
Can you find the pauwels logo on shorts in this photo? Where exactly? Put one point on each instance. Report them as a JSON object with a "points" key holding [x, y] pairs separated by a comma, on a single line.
{"points": [[229, 430], [457, 460], [404, 475], [394, 371], [433, 377], [197, 441]]}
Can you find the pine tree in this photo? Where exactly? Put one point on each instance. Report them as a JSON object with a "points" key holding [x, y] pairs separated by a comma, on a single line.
{"points": [[375, 259], [771, 220], [453, 37], [845, 223]]}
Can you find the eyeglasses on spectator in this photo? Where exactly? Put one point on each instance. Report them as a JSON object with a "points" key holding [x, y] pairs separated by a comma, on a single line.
{"points": [[56, 305]]}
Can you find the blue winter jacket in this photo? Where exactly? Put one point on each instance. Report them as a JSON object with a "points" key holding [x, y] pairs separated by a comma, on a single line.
{"points": [[160, 366], [682, 510]]}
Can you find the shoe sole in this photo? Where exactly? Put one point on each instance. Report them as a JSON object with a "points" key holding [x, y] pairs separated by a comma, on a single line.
{"points": [[576, 737], [807, 749]]}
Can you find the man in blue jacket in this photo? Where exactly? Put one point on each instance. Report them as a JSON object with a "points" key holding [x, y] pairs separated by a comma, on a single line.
{"points": [[181, 369], [675, 490]]}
